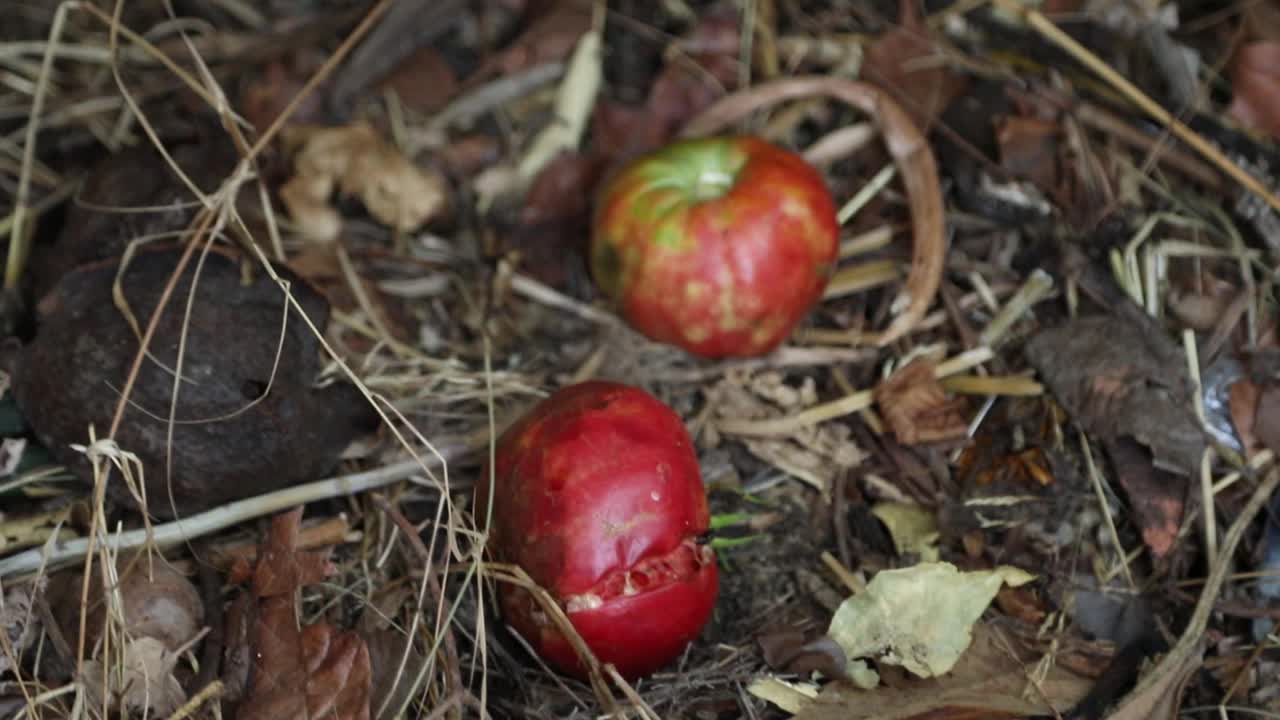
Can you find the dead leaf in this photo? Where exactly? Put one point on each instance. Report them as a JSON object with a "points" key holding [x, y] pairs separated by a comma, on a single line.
{"points": [[903, 61], [914, 528], [1255, 81], [990, 681], [549, 38], [700, 68], [1203, 301], [551, 230], [424, 82], [917, 408], [562, 191], [920, 617], [467, 155], [1266, 422], [1029, 150], [1261, 20], [355, 160], [143, 680], [403, 28], [1117, 380], [790, 651], [1156, 497], [1022, 603], [309, 672], [268, 94]]}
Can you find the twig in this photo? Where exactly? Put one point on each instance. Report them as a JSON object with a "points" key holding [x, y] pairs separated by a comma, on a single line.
{"points": [[1037, 287], [210, 521], [538, 292], [1007, 385], [646, 712]]}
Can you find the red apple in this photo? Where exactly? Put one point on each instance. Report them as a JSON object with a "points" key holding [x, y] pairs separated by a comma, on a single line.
{"points": [[598, 496], [718, 245]]}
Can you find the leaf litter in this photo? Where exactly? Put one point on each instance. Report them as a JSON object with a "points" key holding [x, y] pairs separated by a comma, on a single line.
{"points": [[1048, 346]]}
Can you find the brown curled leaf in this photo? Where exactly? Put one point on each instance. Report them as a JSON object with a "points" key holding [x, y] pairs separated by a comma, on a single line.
{"points": [[917, 408], [910, 151], [313, 671]]}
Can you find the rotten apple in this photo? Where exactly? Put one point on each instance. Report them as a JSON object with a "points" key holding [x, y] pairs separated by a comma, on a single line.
{"points": [[718, 245], [597, 494]]}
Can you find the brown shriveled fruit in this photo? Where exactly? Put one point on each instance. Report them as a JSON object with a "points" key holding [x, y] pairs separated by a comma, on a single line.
{"points": [[245, 424]]}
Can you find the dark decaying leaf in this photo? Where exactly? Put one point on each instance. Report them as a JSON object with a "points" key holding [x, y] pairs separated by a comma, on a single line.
{"points": [[1267, 423], [1157, 498], [1029, 150], [241, 428], [551, 231], [1114, 382], [1118, 381], [314, 671], [903, 61], [550, 36], [791, 651], [424, 82]]}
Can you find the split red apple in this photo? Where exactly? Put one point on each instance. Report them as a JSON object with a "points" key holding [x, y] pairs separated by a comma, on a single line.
{"points": [[717, 245], [598, 496]]}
